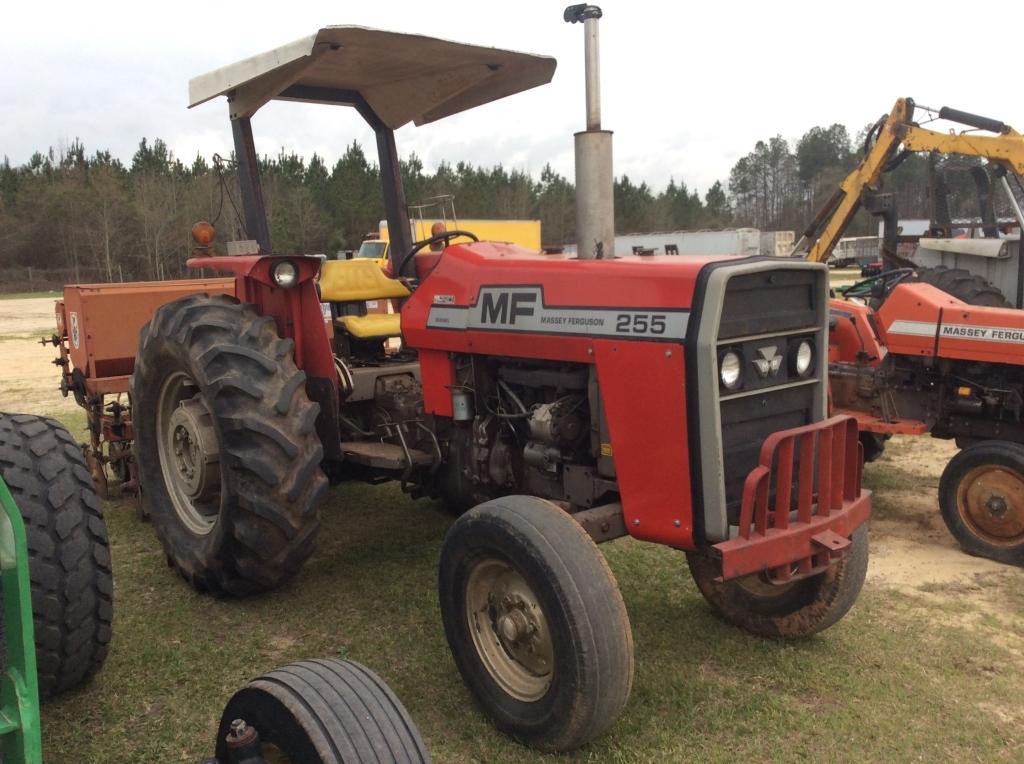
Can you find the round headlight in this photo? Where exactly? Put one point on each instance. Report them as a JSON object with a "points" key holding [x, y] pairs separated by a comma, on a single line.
{"points": [[730, 369], [803, 358], [285, 274]]}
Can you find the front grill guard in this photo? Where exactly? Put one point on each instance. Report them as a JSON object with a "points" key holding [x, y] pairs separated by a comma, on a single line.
{"points": [[785, 545]]}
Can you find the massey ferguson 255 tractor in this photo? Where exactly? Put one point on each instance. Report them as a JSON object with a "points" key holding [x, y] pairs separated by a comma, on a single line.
{"points": [[555, 402]]}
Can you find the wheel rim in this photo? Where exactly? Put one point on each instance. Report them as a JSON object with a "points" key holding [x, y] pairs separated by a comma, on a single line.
{"points": [[990, 500], [509, 629], [189, 453]]}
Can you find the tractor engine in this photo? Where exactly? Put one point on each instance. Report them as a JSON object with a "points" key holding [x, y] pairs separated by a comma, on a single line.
{"points": [[525, 427], [957, 399]]}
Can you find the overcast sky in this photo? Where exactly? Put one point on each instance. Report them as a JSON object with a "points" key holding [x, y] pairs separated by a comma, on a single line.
{"points": [[687, 87]]}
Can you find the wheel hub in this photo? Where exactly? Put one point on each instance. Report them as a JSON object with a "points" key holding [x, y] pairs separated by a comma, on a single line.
{"points": [[509, 630], [997, 506], [991, 502], [194, 451], [189, 453]]}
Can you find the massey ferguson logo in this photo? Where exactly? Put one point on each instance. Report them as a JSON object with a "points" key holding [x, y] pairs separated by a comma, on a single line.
{"points": [[506, 307], [522, 309], [768, 361]]}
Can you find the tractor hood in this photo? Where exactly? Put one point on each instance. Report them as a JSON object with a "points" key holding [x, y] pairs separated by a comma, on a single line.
{"points": [[402, 77]]}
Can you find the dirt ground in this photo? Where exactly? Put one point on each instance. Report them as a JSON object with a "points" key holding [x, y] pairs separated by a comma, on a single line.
{"points": [[28, 378], [911, 548]]}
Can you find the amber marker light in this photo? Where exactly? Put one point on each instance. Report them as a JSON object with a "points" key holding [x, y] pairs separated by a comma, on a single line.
{"points": [[203, 233]]}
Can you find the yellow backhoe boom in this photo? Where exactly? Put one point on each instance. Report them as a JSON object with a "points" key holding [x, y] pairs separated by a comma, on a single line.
{"points": [[897, 134]]}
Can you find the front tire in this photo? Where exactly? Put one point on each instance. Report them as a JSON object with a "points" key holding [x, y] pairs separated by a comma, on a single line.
{"points": [[536, 623], [69, 555], [981, 494], [795, 610], [226, 445]]}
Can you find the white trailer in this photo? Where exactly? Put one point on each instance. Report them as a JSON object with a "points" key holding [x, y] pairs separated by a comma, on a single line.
{"points": [[728, 241]]}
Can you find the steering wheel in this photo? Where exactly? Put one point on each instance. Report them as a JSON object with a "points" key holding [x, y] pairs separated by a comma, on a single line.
{"points": [[445, 236], [868, 287]]}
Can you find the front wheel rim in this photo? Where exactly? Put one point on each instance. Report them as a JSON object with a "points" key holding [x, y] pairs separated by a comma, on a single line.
{"points": [[509, 629], [990, 501], [189, 453]]}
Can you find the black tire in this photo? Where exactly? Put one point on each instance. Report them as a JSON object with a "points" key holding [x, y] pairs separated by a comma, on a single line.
{"points": [[964, 285], [794, 610], [572, 597], [981, 495], [325, 711], [259, 521], [873, 444], [69, 555]]}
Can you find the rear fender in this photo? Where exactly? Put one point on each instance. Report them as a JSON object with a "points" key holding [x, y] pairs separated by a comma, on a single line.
{"points": [[298, 316]]}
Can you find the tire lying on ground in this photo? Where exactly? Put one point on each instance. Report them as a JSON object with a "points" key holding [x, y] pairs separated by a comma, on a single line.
{"points": [[981, 495], [69, 555], [226, 446], [535, 622], [964, 285], [798, 609], [323, 710]]}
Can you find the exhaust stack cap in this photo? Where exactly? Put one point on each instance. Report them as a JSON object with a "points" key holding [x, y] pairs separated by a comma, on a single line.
{"points": [[595, 199], [579, 13]]}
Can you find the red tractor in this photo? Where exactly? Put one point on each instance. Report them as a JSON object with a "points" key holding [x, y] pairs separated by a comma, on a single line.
{"points": [[934, 343], [553, 402]]}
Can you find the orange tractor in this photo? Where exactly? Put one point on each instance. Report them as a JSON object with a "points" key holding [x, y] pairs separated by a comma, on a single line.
{"points": [[935, 343], [554, 402]]}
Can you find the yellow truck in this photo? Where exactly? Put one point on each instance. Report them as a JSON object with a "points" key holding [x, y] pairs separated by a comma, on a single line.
{"points": [[525, 233]]}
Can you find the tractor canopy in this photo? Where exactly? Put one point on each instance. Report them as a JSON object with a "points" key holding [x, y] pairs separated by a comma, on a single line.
{"points": [[391, 78], [402, 77]]}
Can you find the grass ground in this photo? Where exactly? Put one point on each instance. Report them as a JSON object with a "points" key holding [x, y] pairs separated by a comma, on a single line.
{"points": [[904, 677], [27, 295]]}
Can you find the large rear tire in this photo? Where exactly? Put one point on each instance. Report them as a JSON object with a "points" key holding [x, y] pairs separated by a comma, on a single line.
{"points": [[964, 285], [69, 555], [794, 610], [226, 445], [326, 711], [981, 494], [536, 623]]}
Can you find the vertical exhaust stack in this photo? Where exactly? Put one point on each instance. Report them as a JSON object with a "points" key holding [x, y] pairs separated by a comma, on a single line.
{"points": [[595, 201]]}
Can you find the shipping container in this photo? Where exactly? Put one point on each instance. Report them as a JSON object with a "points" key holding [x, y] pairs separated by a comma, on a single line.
{"points": [[777, 243], [729, 241]]}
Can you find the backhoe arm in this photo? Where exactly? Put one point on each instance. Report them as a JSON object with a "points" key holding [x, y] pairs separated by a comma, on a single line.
{"points": [[1005, 149]]}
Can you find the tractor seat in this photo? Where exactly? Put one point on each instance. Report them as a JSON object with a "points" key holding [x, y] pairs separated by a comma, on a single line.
{"points": [[358, 280], [373, 326]]}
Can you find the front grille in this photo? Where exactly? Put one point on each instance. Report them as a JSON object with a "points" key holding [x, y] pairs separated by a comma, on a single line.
{"points": [[769, 302], [746, 422], [786, 304], [760, 309]]}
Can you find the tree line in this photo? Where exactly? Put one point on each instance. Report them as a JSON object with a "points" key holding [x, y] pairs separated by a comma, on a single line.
{"points": [[90, 217]]}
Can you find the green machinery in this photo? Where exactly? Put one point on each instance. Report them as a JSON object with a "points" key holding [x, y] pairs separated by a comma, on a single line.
{"points": [[19, 688]]}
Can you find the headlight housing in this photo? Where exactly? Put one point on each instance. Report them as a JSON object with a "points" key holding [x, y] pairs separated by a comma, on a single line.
{"points": [[801, 358], [730, 369], [285, 274]]}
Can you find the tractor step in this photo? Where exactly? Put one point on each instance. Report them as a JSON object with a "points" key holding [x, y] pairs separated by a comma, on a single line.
{"points": [[385, 456]]}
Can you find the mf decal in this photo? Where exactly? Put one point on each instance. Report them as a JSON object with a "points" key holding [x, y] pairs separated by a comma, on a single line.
{"points": [[522, 309]]}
